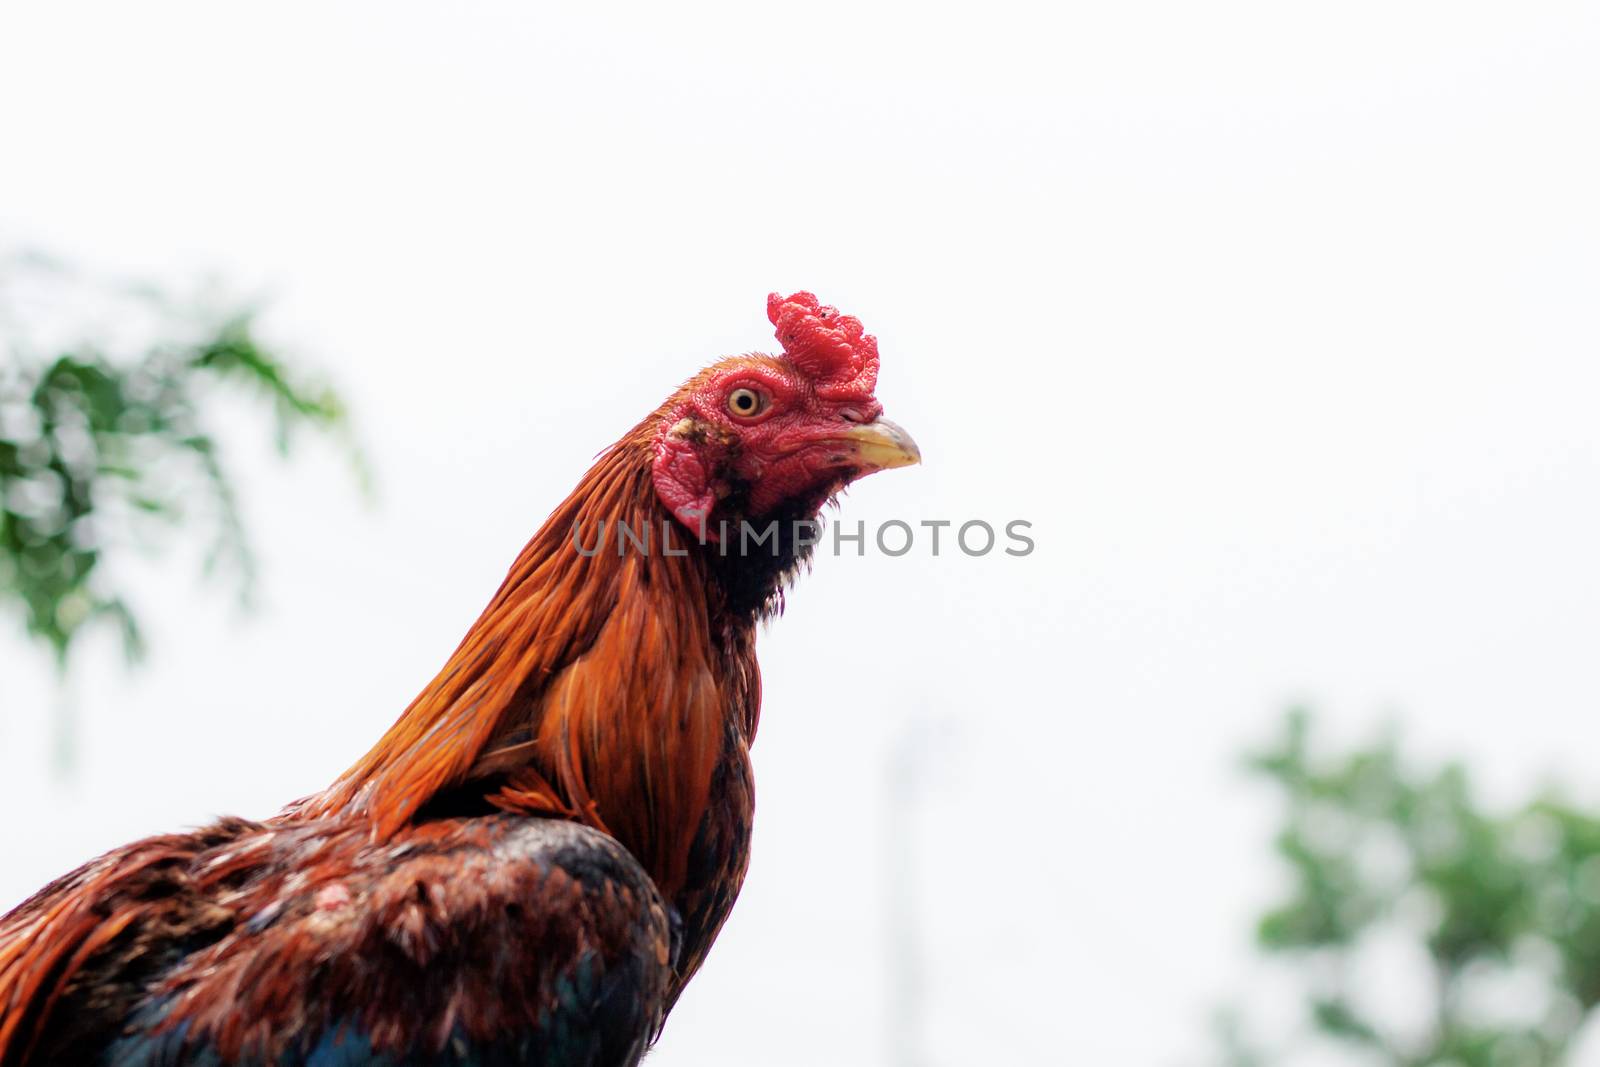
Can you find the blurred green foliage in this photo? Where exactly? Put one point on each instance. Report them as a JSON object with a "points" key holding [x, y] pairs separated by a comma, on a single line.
{"points": [[1498, 913], [105, 444]]}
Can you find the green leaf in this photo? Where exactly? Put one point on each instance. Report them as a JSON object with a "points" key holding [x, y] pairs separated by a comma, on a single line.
{"points": [[81, 431]]}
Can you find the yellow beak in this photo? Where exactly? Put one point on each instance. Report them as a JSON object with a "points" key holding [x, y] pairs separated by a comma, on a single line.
{"points": [[881, 444]]}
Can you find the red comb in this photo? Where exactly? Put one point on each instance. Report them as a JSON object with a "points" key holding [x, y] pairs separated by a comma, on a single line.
{"points": [[828, 346]]}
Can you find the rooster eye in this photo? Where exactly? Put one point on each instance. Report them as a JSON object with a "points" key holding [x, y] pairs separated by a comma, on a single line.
{"points": [[745, 403]]}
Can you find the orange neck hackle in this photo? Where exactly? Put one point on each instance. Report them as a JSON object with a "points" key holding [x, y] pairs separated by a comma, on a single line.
{"points": [[593, 687]]}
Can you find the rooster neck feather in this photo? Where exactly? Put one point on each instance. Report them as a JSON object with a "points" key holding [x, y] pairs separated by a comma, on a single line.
{"points": [[607, 687]]}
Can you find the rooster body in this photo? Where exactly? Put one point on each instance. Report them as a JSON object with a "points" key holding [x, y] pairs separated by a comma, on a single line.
{"points": [[535, 859], [305, 943]]}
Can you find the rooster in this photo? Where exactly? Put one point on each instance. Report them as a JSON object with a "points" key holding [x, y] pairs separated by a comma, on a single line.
{"points": [[533, 861]]}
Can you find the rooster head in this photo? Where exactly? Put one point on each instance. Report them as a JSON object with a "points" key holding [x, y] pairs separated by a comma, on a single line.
{"points": [[753, 436]]}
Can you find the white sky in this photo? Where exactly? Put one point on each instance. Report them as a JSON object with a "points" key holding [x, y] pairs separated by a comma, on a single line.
{"points": [[1278, 321]]}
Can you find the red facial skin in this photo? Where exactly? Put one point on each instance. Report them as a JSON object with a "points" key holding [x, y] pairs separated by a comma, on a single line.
{"points": [[715, 462], [790, 450]]}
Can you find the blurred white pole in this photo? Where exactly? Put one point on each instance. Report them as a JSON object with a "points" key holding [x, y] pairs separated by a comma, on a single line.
{"points": [[907, 775], [64, 730]]}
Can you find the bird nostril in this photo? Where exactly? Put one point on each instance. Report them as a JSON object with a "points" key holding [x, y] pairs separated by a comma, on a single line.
{"points": [[852, 415]]}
